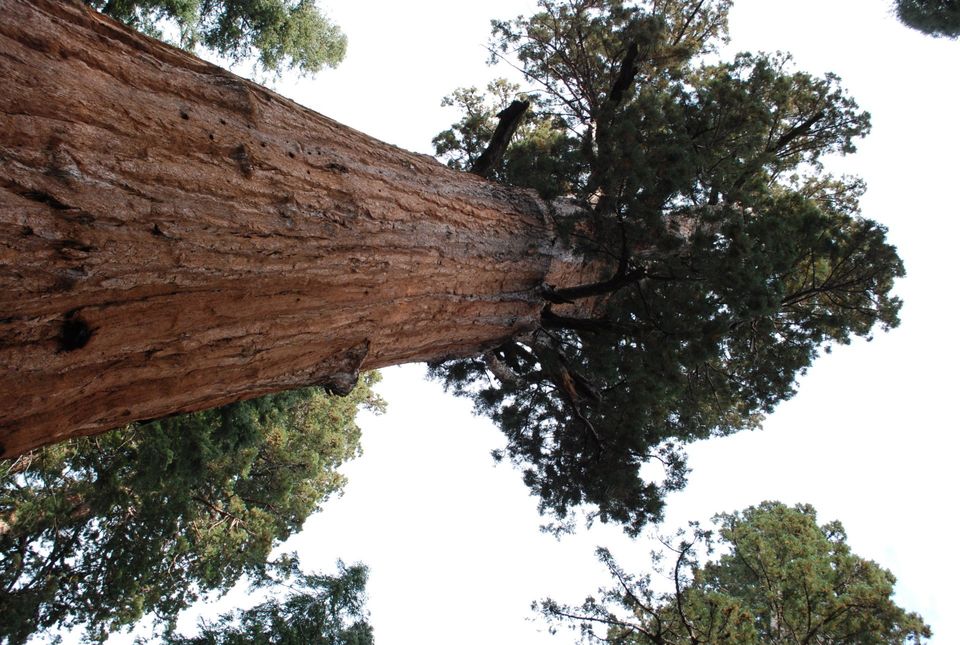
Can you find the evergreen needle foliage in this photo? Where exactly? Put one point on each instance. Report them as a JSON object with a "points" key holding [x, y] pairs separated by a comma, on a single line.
{"points": [[726, 258], [314, 610], [280, 34], [780, 580], [100, 531], [933, 17]]}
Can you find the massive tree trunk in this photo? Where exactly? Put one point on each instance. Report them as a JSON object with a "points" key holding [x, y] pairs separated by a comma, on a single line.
{"points": [[173, 237]]}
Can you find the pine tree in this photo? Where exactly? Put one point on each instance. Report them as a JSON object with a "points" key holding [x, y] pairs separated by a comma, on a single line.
{"points": [[277, 34], [779, 579], [101, 531], [304, 608], [934, 17]]}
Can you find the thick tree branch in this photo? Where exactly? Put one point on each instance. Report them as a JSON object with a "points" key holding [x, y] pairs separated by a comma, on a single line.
{"points": [[621, 84], [551, 320], [619, 280], [510, 118], [678, 587], [797, 131], [570, 386], [628, 71], [499, 369]]}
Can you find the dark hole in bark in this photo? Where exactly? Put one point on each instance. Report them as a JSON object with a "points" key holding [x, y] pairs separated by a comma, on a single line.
{"points": [[75, 332]]}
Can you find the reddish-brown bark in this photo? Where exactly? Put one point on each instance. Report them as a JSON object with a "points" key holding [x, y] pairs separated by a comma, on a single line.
{"points": [[173, 237]]}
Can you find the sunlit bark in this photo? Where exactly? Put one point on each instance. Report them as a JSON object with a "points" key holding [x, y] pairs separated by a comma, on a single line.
{"points": [[173, 237]]}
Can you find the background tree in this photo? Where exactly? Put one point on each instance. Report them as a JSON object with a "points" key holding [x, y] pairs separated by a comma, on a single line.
{"points": [[934, 17], [780, 579], [304, 608], [143, 520], [280, 34], [728, 258]]}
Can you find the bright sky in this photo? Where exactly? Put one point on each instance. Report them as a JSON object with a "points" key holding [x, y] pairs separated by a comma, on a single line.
{"points": [[453, 542]]}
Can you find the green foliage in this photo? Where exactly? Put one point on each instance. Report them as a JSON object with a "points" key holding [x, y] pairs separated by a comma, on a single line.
{"points": [[101, 531], [316, 609], [781, 579], [283, 33], [728, 259], [933, 17], [542, 156]]}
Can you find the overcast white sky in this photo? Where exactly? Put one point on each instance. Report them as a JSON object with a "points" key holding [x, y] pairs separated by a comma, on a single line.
{"points": [[453, 542]]}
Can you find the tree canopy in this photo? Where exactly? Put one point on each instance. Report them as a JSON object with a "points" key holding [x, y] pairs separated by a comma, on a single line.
{"points": [[100, 531], [780, 578], [315, 609], [933, 17], [729, 258], [279, 34]]}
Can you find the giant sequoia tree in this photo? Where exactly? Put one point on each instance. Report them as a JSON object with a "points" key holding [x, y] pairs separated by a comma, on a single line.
{"points": [[176, 238]]}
